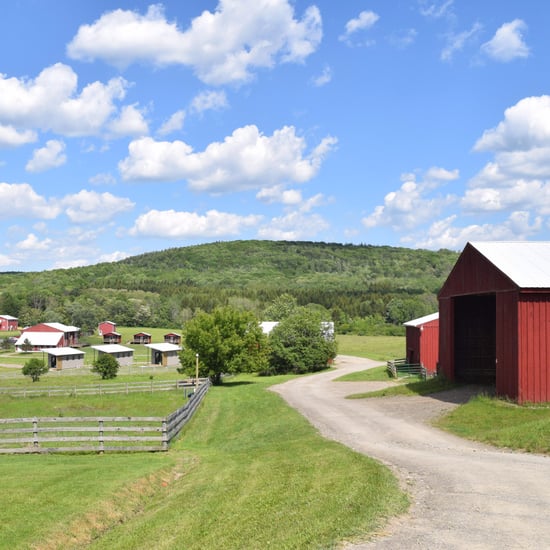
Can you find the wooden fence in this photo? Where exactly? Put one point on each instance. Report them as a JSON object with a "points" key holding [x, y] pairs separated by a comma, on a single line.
{"points": [[96, 434], [102, 389]]}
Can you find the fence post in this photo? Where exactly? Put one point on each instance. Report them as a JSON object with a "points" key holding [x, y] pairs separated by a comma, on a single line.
{"points": [[100, 437], [35, 432], [164, 436]]}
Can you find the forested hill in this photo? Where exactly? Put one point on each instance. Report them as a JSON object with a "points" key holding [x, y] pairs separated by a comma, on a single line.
{"points": [[162, 288]]}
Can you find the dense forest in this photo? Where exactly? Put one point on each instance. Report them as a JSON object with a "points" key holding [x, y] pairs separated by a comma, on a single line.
{"points": [[363, 288]]}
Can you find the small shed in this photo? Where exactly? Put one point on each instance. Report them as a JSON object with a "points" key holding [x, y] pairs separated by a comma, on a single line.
{"points": [[106, 327], [141, 338], [124, 355], [422, 341], [64, 358], [494, 318], [172, 338], [112, 338], [164, 354], [7, 322]]}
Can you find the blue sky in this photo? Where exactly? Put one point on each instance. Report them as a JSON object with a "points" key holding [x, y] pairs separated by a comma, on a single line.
{"points": [[128, 127]]}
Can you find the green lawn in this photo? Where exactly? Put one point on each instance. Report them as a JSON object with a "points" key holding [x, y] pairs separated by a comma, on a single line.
{"points": [[248, 472], [378, 348], [501, 423], [377, 374]]}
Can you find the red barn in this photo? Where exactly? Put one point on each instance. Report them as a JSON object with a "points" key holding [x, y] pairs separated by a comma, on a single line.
{"points": [[141, 338], [494, 318], [106, 327], [422, 341], [70, 335], [7, 322]]}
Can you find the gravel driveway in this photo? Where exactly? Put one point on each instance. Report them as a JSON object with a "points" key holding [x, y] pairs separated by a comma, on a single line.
{"points": [[464, 494]]}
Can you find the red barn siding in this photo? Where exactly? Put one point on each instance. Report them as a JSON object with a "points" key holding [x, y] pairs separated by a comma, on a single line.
{"points": [[534, 346], [429, 346], [507, 344]]}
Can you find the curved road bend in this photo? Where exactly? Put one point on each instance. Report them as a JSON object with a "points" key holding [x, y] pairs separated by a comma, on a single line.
{"points": [[464, 494]]}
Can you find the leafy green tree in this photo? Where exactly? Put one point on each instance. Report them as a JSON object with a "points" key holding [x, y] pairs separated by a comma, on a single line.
{"points": [[298, 344], [26, 346], [35, 368], [106, 366], [227, 341], [282, 307]]}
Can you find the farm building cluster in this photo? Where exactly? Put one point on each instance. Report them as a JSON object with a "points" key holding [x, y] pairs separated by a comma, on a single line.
{"points": [[61, 344], [493, 325]]}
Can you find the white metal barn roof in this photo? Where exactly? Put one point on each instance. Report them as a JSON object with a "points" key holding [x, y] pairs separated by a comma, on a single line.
{"points": [[60, 352], [40, 338], [164, 346], [422, 320], [112, 348], [526, 263]]}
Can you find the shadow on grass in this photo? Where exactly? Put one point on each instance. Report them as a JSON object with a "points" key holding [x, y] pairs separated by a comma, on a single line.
{"points": [[436, 388]]}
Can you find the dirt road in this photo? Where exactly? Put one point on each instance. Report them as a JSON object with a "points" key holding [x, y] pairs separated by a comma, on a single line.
{"points": [[464, 494]]}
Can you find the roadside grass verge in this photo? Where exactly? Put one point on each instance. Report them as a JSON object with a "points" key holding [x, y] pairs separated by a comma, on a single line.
{"points": [[416, 387], [378, 348], [255, 474], [376, 374], [501, 423]]}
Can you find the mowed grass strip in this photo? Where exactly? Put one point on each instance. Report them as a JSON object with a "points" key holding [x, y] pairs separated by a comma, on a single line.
{"points": [[415, 387], [262, 478], [501, 423], [376, 374]]}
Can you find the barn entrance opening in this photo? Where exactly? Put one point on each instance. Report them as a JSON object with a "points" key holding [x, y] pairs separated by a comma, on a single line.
{"points": [[475, 339]]}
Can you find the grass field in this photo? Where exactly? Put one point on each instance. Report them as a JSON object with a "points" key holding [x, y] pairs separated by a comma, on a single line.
{"points": [[248, 472], [378, 348]]}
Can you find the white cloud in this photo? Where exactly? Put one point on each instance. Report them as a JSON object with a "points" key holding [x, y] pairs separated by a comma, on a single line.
{"points": [[92, 207], [365, 20], [294, 226], [130, 122], [457, 41], [11, 137], [20, 200], [209, 100], [184, 225], [436, 10], [222, 46], [246, 159], [51, 102], [508, 43], [278, 194], [103, 178], [115, 256], [324, 78], [45, 158], [526, 125], [6, 261], [442, 234], [411, 205], [32, 242], [173, 124]]}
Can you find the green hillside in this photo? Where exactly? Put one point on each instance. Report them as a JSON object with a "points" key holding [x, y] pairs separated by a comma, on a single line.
{"points": [[165, 288]]}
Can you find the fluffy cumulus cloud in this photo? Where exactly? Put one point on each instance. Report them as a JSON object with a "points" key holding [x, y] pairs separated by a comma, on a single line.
{"points": [[412, 204], [173, 124], [92, 207], [52, 155], [185, 225], [445, 234], [51, 102], [246, 159], [21, 200], [294, 226], [11, 137], [130, 122], [209, 100], [507, 44], [32, 243], [365, 20], [278, 194], [518, 176], [222, 46]]}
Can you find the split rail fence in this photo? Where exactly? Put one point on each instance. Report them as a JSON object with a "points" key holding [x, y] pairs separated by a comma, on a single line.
{"points": [[96, 434]]}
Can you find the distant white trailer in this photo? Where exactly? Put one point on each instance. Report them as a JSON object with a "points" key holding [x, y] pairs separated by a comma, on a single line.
{"points": [[164, 354], [124, 355], [64, 358]]}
